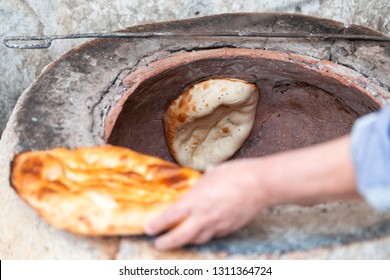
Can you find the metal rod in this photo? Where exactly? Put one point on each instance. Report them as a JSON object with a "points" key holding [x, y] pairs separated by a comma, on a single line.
{"points": [[43, 42]]}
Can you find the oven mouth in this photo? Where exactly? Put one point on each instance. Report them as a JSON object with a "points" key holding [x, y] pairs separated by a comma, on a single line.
{"points": [[303, 100]]}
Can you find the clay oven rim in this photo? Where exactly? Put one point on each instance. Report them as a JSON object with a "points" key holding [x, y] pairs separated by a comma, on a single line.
{"points": [[328, 69]]}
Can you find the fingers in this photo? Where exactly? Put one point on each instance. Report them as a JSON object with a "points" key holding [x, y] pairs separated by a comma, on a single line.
{"points": [[172, 216], [181, 235], [194, 228], [167, 219]]}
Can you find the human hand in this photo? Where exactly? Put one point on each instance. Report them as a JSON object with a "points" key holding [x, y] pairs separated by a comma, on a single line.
{"points": [[229, 195], [225, 199]]}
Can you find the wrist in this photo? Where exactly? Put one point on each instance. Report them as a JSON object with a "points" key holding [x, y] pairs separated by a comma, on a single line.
{"points": [[261, 177]]}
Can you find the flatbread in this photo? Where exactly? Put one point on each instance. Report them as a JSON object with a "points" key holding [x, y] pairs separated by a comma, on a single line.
{"points": [[210, 121], [103, 190]]}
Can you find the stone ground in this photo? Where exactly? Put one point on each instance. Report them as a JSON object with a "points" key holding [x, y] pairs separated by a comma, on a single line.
{"points": [[33, 17]]}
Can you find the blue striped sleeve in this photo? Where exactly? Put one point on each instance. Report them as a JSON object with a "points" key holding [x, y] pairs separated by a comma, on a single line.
{"points": [[371, 157]]}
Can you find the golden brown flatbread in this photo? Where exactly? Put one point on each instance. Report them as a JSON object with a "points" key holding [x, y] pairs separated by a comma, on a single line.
{"points": [[103, 190]]}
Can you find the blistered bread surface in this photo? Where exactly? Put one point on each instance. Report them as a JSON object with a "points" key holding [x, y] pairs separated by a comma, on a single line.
{"points": [[103, 190]]}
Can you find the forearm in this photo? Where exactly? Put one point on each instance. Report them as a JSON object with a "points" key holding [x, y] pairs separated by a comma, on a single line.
{"points": [[307, 176]]}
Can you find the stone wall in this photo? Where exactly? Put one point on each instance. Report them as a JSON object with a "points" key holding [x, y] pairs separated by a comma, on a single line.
{"points": [[33, 17]]}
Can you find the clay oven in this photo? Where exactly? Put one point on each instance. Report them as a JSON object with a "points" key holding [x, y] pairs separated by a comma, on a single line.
{"points": [[115, 91]]}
